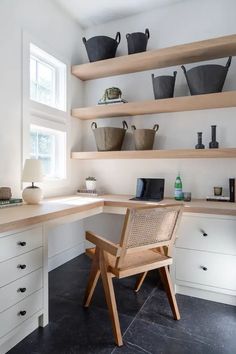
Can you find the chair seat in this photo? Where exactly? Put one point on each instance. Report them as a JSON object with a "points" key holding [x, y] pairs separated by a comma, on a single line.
{"points": [[135, 263]]}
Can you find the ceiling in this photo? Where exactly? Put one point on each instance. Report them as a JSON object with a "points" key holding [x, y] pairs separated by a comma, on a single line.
{"points": [[94, 12]]}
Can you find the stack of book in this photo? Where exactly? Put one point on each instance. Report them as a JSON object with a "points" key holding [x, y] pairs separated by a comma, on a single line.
{"points": [[10, 202], [87, 193], [116, 100]]}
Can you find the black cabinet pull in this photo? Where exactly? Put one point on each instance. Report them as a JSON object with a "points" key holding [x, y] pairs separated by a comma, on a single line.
{"points": [[22, 290], [204, 268], [22, 243], [22, 313], [22, 266], [204, 233]]}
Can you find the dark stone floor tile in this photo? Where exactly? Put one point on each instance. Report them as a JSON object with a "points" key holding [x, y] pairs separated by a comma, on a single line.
{"points": [[201, 320], [146, 337], [73, 329]]}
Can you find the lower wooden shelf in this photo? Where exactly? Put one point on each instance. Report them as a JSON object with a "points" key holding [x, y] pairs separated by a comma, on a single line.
{"points": [[156, 154], [167, 105]]}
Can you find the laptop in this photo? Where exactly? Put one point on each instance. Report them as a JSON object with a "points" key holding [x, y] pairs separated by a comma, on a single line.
{"points": [[150, 189]]}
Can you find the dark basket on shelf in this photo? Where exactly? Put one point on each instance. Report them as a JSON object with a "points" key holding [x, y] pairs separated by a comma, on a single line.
{"points": [[163, 86], [137, 41], [101, 47], [208, 78]]}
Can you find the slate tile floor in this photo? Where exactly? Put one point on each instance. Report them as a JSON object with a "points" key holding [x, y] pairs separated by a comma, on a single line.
{"points": [[205, 327]]}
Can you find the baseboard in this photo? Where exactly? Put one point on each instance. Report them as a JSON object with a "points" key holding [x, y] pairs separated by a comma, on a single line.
{"points": [[65, 256], [206, 295]]}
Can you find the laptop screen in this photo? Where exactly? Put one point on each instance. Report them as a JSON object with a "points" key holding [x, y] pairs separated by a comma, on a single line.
{"points": [[150, 188]]}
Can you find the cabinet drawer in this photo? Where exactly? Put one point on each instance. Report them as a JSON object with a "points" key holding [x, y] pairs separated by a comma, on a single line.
{"points": [[11, 270], [19, 289], [11, 318], [220, 234], [19, 243], [220, 269]]}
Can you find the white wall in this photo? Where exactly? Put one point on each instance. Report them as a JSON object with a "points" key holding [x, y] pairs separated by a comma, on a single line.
{"points": [[179, 23], [44, 21]]}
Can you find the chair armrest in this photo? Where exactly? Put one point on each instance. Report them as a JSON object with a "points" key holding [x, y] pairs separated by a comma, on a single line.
{"points": [[103, 243]]}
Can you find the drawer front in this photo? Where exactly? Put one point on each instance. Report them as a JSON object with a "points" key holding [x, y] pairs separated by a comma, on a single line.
{"points": [[211, 269], [18, 267], [220, 234], [19, 243], [11, 318], [19, 289]]}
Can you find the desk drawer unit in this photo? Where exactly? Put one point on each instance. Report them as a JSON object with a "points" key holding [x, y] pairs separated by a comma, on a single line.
{"points": [[205, 268], [19, 243], [205, 258], [207, 234], [19, 289], [20, 266], [20, 312]]}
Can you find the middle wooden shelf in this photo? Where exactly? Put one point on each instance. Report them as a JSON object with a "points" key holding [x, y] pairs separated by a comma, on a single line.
{"points": [[176, 104], [156, 154]]}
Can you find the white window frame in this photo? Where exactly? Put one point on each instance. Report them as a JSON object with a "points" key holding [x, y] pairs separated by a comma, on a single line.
{"points": [[43, 115], [52, 62]]}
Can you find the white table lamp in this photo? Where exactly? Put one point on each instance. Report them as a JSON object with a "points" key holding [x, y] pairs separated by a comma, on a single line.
{"points": [[32, 172]]}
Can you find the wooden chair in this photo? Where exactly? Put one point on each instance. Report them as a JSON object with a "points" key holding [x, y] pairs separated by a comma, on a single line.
{"points": [[146, 231]]}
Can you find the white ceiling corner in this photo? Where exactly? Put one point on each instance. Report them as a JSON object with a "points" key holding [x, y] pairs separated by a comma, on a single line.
{"points": [[94, 12]]}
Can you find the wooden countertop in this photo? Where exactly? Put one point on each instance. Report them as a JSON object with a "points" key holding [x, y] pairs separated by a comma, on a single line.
{"points": [[26, 215]]}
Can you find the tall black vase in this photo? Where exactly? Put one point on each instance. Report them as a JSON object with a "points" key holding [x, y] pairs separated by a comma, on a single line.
{"points": [[199, 144], [213, 144]]}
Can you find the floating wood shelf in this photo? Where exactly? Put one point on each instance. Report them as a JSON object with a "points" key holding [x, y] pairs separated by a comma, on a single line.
{"points": [[177, 104], [156, 154], [181, 54]]}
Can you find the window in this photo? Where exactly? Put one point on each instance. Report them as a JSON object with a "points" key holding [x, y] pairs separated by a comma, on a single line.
{"points": [[47, 79], [49, 145]]}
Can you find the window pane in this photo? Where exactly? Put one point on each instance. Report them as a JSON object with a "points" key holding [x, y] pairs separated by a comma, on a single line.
{"points": [[47, 165], [32, 69], [47, 79], [49, 145], [45, 144]]}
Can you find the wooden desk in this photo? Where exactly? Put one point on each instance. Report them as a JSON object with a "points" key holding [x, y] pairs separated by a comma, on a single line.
{"points": [[24, 256], [66, 206]]}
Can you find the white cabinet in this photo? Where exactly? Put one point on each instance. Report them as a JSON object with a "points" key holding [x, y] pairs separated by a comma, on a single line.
{"points": [[205, 257], [23, 284]]}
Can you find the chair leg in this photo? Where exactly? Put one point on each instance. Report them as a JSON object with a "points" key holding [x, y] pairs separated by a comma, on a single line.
{"points": [[110, 299], [140, 281], [93, 279], [165, 275]]}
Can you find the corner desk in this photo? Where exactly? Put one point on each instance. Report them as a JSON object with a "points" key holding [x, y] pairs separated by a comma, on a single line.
{"points": [[204, 255]]}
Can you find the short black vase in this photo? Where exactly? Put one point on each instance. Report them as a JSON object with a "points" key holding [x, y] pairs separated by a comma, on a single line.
{"points": [[213, 144], [199, 145]]}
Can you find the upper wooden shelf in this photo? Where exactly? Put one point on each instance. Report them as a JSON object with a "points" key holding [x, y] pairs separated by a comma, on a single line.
{"points": [[177, 104], [156, 154], [181, 54]]}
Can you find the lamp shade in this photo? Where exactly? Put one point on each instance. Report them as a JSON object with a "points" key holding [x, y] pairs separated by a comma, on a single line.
{"points": [[33, 171]]}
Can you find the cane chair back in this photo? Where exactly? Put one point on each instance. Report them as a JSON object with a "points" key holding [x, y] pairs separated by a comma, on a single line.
{"points": [[148, 228]]}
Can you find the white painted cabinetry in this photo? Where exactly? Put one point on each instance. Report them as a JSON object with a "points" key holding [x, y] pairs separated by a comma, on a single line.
{"points": [[23, 284], [205, 257]]}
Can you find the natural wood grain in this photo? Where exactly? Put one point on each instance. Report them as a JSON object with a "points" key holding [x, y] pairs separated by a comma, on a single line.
{"points": [[166, 279], [54, 209], [26, 215], [167, 105], [156, 154], [181, 54]]}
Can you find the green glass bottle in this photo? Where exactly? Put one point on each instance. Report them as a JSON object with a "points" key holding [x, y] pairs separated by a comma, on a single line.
{"points": [[178, 188]]}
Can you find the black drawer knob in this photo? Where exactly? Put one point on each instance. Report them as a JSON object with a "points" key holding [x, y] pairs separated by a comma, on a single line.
{"points": [[22, 266], [204, 233], [22, 290], [204, 268], [22, 313], [22, 243]]}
